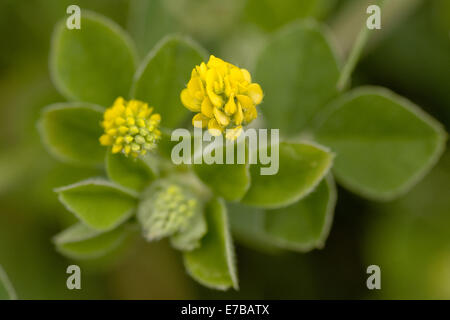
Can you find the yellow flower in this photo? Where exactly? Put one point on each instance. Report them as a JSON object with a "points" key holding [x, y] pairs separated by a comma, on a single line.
{"points": [[130, 127], [223, 96]]}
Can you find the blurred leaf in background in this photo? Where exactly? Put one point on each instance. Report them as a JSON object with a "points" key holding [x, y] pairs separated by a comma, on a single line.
{"points": [[410, 240], [298, 70], [272, 14], [414, 59]]}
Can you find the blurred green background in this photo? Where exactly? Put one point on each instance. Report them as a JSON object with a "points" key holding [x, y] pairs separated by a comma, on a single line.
{"points": [[408, 238]]}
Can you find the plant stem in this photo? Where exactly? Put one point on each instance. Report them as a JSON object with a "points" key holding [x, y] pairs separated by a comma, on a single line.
{"points": [[353, 58], [355, 54]]}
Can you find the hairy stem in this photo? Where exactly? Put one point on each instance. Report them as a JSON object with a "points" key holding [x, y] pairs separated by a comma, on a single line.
{"points": [[353, 59], [356, 52]]}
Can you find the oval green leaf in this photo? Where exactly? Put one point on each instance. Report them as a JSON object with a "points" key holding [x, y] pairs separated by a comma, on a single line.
{"points": [[70, 132], [99, 204], [301, 167], [7, 291], [163, 74], [271, 14], [146, 15], [384, 144], [129, 172], [82, 242], [304, 225], [248, 228], [298, 72], [213, 264], [95, 63]]}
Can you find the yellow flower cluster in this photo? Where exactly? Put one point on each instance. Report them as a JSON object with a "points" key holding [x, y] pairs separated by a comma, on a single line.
{"points": [[130, 127], [223, 96]]}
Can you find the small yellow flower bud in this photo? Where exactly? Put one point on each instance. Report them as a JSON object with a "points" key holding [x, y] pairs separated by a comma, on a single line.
{"points": [[189, 101], [223, 96], [230, 107], [245, 101], [239, 116], [232, 134], [246, 75], [106, 139], [130, 127], [214, 128], [250, 114], [200, 120], [207, 108], [255, 92], [221, 118]]}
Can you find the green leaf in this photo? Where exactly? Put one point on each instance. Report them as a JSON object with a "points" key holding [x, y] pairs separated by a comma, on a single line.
{"points": [[392, 61], [7, 291], [213, 264], [189, 239], [99, 204], [146, 15], [442, 9], [301, 167], [131, 173], [415, 230], [230, 181], [384, 143], [209, 20], [298, 72], [248, 227], [304, 225], [163, 74], [95, 63], [82, 242], [70, 132], [271, 14]]}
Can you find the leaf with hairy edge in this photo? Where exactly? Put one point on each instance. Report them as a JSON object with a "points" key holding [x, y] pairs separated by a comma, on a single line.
{"points": [[301, 166], [248, 227], [70, 132], [82, 242], [301, 226], [213, 264], [384, 144], [129, 172], [99, 204], [95, 63], [228, 180], [304, 225], [163, 74], [298, 72]]}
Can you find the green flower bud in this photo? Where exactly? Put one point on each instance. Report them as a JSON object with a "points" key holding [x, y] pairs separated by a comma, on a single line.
{"points": [[167, 208]]}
